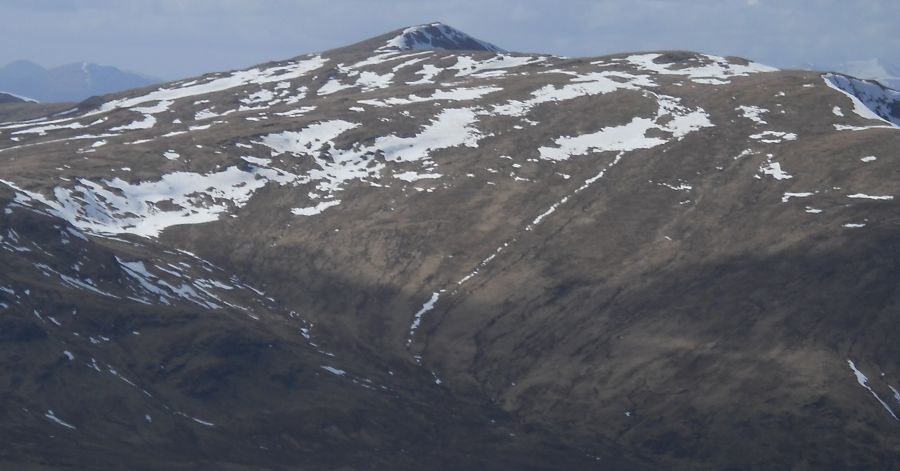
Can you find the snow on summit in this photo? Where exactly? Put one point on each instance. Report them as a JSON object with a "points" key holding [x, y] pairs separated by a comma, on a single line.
{"points": [[436, 36]]}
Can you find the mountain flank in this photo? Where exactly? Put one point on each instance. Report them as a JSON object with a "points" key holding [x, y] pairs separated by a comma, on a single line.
{"points": [[423, 252]]}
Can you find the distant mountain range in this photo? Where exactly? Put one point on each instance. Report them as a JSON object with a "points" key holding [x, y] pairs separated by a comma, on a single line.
{"points": [[70, 82], [884, 71]]}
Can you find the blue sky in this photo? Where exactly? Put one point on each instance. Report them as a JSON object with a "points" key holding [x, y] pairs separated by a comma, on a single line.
{"points": [[179, 38]]}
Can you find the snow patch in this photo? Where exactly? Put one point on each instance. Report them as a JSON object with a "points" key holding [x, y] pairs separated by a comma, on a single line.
{"points": [[417, 318], [594, 83], [753, 113], [774, 169], [456, 94], [774, 137], [317, 209], [413, 176], [146, 208], [334, 371], [631, 136], [292, 70], [864, 382], [870, 197], [716, 71], [787, 196], [52, 416]]}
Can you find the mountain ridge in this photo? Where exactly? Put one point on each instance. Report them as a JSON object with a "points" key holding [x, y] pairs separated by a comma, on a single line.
{"points": [[6, 97], [69, 82]]}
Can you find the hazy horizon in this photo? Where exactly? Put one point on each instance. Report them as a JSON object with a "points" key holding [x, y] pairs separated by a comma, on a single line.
{"points": [[171, 39]]}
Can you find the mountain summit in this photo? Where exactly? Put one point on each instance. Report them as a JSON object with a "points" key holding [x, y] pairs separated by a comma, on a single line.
{"points": [[436, 36], [430, 36], [396, 255]]}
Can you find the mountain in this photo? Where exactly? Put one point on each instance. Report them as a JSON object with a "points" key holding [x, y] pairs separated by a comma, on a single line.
{"points": [[13, 98], [871, 98], [883, 71], [67, 83], [384, 257]]}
